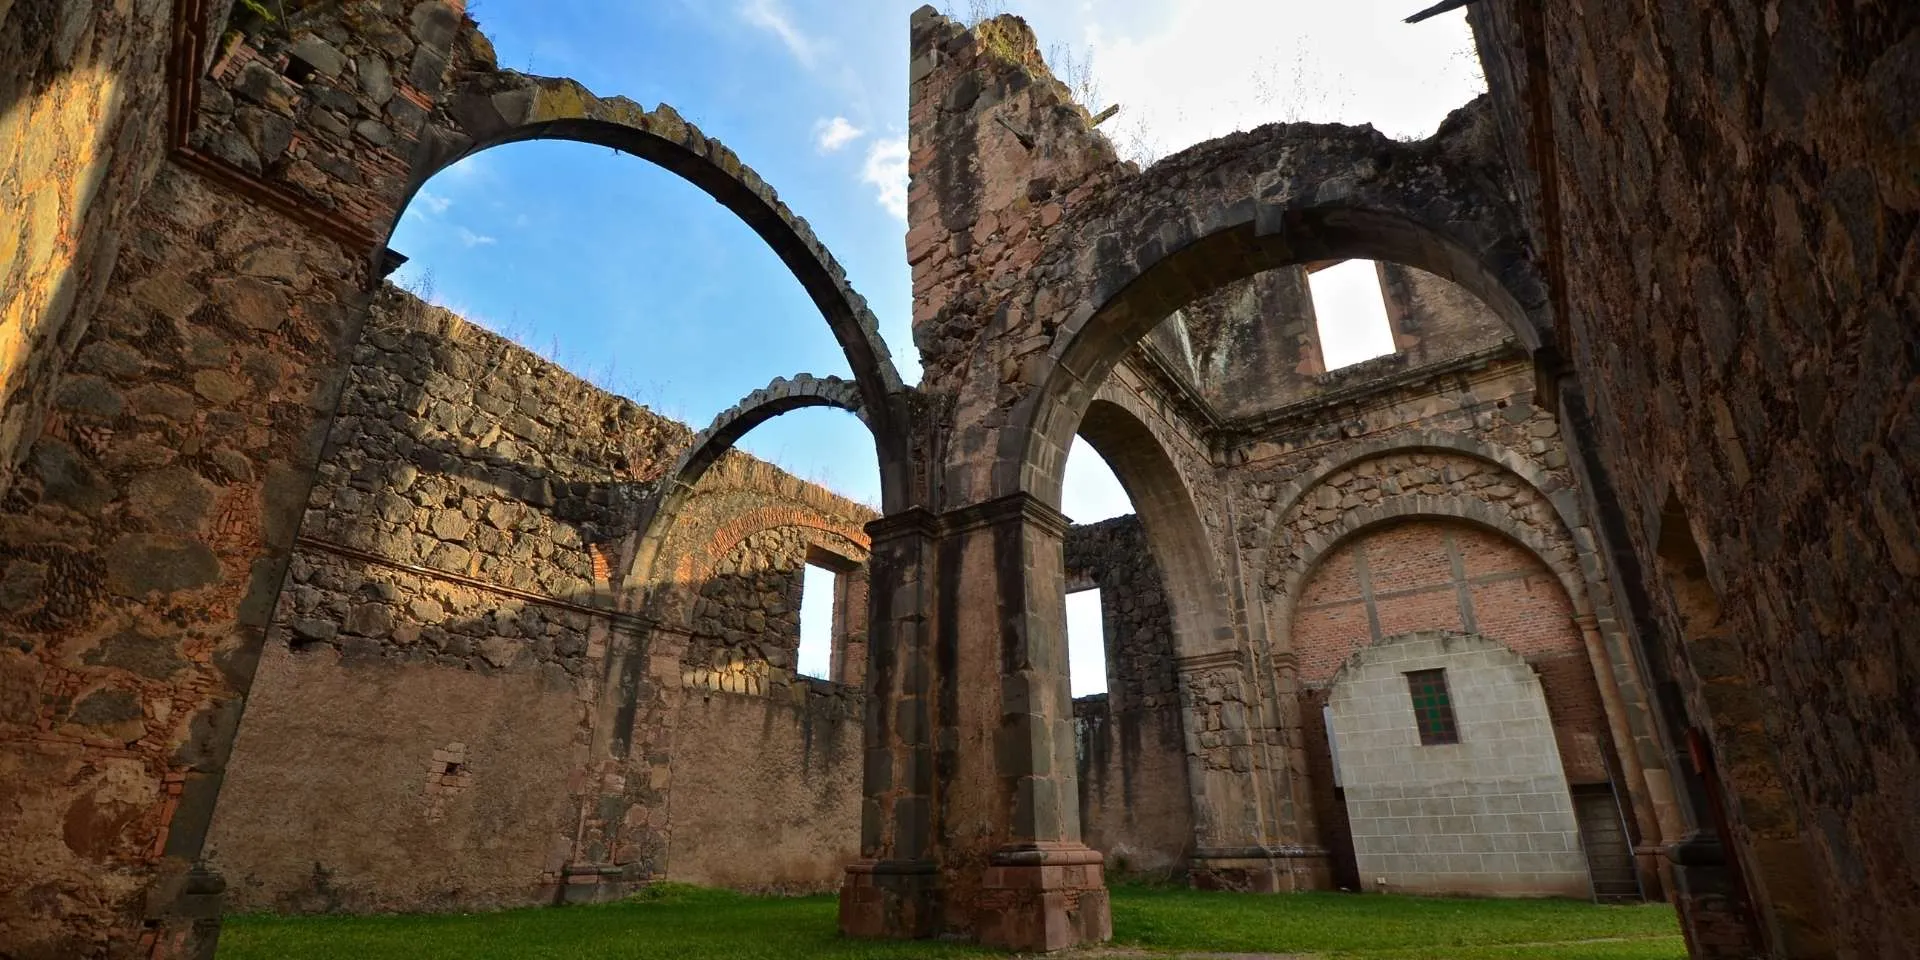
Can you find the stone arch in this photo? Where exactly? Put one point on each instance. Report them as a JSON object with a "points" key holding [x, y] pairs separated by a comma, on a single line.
{"points": [[1141, 458], [1570, 569], [492, 108], [1253, 201], [677, 485], [1416, 441], [1424, 506]]}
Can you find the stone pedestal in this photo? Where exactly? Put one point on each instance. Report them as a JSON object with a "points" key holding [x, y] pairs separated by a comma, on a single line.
{"points": [[892, 899], [1261, 869], [1043, 896], [1710, 901]]}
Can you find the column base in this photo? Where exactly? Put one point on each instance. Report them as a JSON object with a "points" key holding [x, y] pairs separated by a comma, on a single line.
{"points": [[1261, 869], [1713, 913], [183, 912], [891, 899], [595, 883], [1042, 897]]}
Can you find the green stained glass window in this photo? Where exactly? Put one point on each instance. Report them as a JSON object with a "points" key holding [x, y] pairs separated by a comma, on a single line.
{"points": [[1432, 707]]}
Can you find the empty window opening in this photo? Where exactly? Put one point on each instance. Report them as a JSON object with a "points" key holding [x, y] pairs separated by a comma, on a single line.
{"points": [[817, 592], [1086, 644], [1350, 313], [1432, 707]]}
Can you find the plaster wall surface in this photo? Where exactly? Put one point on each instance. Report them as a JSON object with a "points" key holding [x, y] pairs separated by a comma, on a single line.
{"points": [[766, 791], [1487, 815]]}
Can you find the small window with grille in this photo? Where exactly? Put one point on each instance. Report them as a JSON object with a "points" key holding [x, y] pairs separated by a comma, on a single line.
{"points": [[1432, 707]]}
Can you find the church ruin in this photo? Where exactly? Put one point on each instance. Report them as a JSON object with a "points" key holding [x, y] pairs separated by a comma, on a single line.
{"points": [[316, 597]]}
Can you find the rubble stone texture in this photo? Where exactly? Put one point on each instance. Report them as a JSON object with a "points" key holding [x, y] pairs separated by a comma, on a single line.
{"points": [[1648, 430]]}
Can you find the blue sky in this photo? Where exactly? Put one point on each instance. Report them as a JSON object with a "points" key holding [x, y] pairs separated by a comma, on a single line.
{"points": [[631, 277]]}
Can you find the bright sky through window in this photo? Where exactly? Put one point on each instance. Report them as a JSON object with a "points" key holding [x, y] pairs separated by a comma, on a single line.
{"points": [[1086, 644], [1351, 315], [1092, 493], [816, 622]]}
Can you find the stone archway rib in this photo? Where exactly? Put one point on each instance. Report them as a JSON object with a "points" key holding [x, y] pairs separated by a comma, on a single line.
{"points": [[494, 108], [783, 395]]}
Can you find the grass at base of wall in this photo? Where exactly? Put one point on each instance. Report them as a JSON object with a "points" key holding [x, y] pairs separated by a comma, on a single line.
{"points": [[674, 922]]}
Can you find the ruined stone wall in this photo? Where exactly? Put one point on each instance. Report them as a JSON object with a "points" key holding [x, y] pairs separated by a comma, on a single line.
{"points": [[1458, 483], [1256, 343], [144, 544], [81, 131], [1723, 198], [765, 778], [454, 552], [147, 533], [1135, 803], [438, 664]]}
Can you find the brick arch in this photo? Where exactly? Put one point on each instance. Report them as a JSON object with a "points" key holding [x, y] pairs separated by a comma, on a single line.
{"points": [[728, 536], [1560, 538], [1556, 557], [676, 487], [1230, 208], [491, 108]]}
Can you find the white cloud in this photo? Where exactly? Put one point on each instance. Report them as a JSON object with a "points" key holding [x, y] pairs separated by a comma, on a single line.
{"points": [[771, 16], [886, 171], [831, 135], [432, 202], [471, 239], [1204, 68]]}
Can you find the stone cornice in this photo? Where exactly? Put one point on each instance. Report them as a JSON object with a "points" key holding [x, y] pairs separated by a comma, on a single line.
{"points": [[911, 522], [1021, 505], [1210, 661], [525, 596]]}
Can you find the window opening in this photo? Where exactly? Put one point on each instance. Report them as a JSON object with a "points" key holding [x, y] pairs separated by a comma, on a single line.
{"points": [[1350, 313], [817, 592], [1432, 707], [1086, 644]]}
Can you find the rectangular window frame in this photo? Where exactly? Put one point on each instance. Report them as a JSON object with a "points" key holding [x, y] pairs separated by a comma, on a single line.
{"points": [[1432, 701]]}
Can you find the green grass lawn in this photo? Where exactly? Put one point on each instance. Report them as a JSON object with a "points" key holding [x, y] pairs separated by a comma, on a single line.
{"points": [[681, 923]]}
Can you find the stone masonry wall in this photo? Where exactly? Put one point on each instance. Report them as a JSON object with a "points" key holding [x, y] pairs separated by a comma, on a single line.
{"points": [[148, 532], [1724, 200], [1256, 343], [1135, 803], [1461, 453], [79, 141], [438, 664], [143, 545]]}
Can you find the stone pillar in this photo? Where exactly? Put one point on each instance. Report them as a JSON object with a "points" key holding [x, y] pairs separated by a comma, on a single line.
{"points": [[1243, 816], [894, 889], [1004, 661], [971, 824]]}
